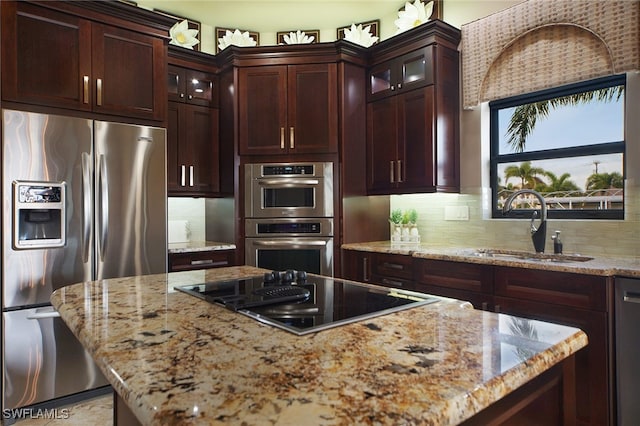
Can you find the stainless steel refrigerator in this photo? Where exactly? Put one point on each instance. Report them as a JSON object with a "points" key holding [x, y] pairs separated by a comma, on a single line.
{"points": [[82, 200]]}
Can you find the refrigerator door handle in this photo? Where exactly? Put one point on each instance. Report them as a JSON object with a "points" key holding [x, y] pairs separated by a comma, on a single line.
{"points": [[86, 205], [49, 312], [104, 207]]}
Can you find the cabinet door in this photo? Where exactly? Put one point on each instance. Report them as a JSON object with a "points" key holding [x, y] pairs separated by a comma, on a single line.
{"points": [[262, 106], [46, 57], [407, 72], [312, 109], [128, 73], [202, 136], [356, 265], [592, 363], [382, 136], [192, 150], [415, 167]]}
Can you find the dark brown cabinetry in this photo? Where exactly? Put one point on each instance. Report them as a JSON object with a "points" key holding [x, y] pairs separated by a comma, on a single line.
{"points": [[188, 261], [576, 300], [391, 270], [288, 109], [56, 59], [465, 281], [192, 87], [412, 112], [401, 74], [192, 127]]}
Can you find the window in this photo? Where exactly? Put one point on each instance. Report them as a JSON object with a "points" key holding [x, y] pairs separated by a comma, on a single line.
{"points": [[565, 143]]}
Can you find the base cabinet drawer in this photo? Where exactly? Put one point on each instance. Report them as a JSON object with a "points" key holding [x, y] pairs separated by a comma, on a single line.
{"points": [[189, 261]]}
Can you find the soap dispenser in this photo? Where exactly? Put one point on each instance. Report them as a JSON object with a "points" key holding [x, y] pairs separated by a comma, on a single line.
{"points": [[557, 244]]}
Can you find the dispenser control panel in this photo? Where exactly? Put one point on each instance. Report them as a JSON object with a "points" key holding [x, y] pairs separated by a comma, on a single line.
{"points": [[38, 215], [39, 194]]}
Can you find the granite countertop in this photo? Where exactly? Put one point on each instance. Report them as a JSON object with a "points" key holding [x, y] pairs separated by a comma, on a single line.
{"points": [[174, 358], [196, 246], [598, 265]]}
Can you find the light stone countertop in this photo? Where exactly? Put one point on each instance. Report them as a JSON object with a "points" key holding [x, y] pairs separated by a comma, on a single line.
{"points": [[176, 359], [599, 265], [197, 246]]}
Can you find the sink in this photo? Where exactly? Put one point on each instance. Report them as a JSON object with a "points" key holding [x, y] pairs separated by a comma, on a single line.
{"points": [[524, 255]]}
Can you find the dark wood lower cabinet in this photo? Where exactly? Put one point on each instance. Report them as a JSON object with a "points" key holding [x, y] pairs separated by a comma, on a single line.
{"points": [[201, 260]]}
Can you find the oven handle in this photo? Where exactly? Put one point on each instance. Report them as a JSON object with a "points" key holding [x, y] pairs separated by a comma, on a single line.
{"points": [[288, 243], [281, 182]]}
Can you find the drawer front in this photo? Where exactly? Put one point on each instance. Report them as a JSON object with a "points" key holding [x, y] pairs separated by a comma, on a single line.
{"points": [[558, 288], [392, 265], [454, 275], [200, 260], [392, 282]]}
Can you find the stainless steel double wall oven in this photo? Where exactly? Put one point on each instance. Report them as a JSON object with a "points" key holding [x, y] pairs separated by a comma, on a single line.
{"points": [[289, 216]]}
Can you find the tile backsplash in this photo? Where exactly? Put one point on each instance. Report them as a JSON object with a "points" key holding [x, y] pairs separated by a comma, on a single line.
{"points": [[191, 210], [589, 237]]}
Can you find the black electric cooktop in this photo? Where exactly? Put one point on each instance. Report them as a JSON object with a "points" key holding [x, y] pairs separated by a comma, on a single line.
{"points": [[305, 303]]}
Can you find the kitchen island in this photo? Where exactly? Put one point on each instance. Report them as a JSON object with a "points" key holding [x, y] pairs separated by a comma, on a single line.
{"points": [[176, 359]]}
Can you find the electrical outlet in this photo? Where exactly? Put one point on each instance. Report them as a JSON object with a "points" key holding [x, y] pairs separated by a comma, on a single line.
{"points": [[456, 213]]}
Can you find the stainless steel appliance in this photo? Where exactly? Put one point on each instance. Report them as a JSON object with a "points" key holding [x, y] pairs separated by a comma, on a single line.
{"points": [[333, 302], [304, 244], [82, 200], [627, 320], [289, 216], [289, 190]]}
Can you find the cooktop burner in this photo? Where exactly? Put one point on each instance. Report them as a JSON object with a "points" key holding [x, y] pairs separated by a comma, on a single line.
{"points": [[304, 303]]}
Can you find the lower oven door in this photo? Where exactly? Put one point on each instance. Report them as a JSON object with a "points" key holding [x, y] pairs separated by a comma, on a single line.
{"points": [[310, 254]]}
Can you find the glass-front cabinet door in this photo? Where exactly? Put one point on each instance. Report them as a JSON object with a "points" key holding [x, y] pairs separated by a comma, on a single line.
{"points": [[407, 72], [191, 86]]}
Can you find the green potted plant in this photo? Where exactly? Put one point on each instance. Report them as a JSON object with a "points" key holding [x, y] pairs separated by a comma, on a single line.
{"points": [[395, 219]]}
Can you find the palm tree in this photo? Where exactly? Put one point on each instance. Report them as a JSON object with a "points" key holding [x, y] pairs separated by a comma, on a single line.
{"points": [[527, 174], [562, 183], [605, 181], [524, 117]]}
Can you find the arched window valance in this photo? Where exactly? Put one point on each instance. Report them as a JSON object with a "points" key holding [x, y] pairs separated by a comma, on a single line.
{"points": [[540, 44]]}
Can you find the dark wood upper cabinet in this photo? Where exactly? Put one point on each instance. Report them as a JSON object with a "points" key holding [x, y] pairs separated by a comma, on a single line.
{"points": [[288, 109], [401, 74], [413, 112], [57, 59], [192, 86], [192, 150]]}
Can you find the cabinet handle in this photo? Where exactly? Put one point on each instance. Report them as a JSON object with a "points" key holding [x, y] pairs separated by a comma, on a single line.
{"points": [[190, 97], [485, 306], [181, 95], [99, 87], [395, 266], [291, 138], [399, 86], [497, 309], [183, 172], [386, 281], [399, 163], [190, 175], [85, 89], [391, 168], [281, 137], [393, 87], [365, 267]]}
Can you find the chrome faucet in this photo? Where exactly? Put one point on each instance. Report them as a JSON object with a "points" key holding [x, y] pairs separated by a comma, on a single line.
{"points": [[539, 234]]}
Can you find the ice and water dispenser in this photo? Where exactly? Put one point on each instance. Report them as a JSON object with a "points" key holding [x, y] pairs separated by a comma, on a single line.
{"points": [[38, 214]]}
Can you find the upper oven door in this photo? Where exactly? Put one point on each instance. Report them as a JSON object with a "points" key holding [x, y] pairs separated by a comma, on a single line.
{"points": [[288, 195]]}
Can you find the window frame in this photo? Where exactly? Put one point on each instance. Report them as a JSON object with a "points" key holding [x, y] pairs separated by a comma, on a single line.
{"points": [[614, 147]]}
